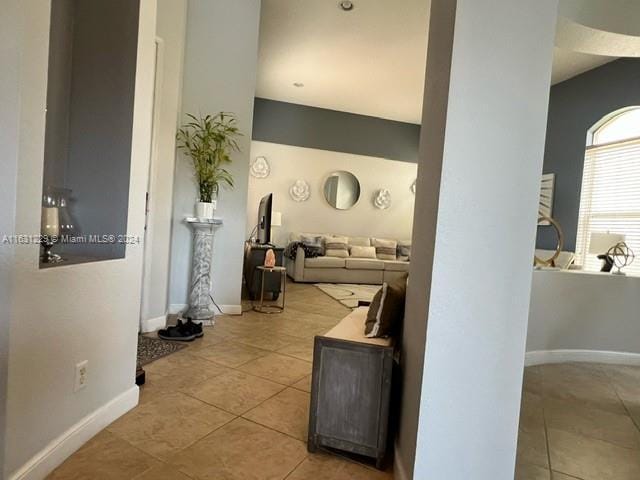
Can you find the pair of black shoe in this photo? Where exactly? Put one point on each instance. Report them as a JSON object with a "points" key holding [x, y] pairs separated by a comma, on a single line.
{"points": [[182, 332]]}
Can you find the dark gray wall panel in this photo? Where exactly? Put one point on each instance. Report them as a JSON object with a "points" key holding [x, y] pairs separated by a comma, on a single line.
{"points": [[302, 126], [574, 107]]}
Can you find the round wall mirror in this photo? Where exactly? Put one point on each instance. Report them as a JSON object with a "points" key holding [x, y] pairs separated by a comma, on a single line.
{"points": [[342, 190]]}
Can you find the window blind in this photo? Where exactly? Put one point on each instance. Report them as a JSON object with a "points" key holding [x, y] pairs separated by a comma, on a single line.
{"points": [[610, 199]]}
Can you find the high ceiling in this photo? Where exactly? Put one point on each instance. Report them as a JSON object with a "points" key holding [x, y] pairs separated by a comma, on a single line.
{"points": [[370, 60]]}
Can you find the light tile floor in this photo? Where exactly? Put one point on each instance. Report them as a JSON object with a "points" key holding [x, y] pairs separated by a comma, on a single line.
{"points": [[580, 421], [234, 406]]}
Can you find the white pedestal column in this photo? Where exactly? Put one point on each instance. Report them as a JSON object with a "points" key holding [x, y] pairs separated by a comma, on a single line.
{"points": [[199, 299], [482, 144]]}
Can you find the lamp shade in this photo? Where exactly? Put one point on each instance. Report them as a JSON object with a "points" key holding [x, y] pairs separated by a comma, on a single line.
{"points": [[276, 219], [600, 242]]}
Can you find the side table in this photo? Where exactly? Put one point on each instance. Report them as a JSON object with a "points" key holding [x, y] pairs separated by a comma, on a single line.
{"points": [[271, 307]]}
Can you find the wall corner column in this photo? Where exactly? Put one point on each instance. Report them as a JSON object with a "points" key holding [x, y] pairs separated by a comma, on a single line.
{"points": [[486, 98]]}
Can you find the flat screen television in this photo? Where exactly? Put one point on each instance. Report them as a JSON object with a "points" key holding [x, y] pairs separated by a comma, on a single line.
{"points": [[264, 219]]}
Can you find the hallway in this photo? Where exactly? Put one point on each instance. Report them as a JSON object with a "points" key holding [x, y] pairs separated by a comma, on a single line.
{"points": [[231, 406], [234, 406]]}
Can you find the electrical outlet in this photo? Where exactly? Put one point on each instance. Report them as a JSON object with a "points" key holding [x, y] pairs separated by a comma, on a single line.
{"points": [[81, 375]]}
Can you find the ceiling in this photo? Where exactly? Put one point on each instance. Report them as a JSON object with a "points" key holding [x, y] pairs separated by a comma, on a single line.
{"points": [[370, 60]]}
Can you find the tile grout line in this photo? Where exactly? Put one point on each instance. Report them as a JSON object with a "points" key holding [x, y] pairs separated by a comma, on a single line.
{"points": [[272, 428], [546, 438], [624, 405], [296, 467]]}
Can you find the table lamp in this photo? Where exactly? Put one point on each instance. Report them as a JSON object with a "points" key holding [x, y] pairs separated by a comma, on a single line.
{"points": [[600, 243], [276, 221]]}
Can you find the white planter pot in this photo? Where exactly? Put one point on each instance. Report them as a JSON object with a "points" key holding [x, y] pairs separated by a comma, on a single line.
{"points": [[205, 209]]}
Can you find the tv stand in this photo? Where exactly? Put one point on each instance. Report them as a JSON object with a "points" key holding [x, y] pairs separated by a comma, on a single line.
{"points": [[254, 255]]}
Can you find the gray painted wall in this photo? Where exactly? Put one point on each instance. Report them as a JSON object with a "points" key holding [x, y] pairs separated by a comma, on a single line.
{"points": [[58, 92], [105, 41], [90, 91], [311, 127], [574, 107]]}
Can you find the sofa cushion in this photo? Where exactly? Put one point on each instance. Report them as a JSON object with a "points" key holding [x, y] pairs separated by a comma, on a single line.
{"points": [[359, 242], [385, 249], [396, 266], [336, 246], [324, 262], [387, 309], [315, 242], [364, 264], [362, 252], [351, 328]]}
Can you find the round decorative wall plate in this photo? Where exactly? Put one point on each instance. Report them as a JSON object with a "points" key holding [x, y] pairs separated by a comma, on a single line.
{"points": [[260, 168], [413, 187], [382, 199], [300, 191]]}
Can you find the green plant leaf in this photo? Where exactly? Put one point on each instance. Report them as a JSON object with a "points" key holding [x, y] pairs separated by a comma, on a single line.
{"points": [[209, 141]]}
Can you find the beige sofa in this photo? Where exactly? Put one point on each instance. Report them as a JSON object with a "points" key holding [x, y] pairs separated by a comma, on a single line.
{"points": [[343, 270]]}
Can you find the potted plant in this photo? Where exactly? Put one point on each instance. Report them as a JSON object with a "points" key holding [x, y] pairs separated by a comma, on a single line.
{"points": [[209, 140]]}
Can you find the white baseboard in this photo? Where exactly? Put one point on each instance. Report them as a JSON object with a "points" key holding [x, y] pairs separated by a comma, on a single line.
{"points": [[45, 461], [541, 357], [227, 309], [153, 324], [177, 308], [231, 309]]}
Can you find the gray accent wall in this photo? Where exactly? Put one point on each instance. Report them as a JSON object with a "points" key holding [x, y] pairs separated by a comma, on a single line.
{"points": [[90, 95], [311, 127], [574, 107]]}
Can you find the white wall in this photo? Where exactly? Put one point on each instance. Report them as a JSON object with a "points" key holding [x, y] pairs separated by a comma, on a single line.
{"points": [[10, 37], [221, 58], [289, 164], [486, 96], [64, 315], [170, 30], [577, 315]]}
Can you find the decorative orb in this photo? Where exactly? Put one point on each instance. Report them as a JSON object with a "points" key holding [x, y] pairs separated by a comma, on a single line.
{"points": [[622, 255]]}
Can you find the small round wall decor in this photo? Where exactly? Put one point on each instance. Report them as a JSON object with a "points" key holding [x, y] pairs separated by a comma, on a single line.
{"points": [[260, 168], [300, 191], [382, 199], [413, 187]]}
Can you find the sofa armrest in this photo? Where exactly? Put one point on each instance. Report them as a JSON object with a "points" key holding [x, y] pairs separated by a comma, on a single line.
{"points": [[295, 268]]}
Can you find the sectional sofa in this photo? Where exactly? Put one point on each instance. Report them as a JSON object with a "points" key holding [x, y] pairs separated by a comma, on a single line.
{"points": [[327, 269]]}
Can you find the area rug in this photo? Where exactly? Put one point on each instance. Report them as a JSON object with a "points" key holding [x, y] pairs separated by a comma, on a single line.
{"points": [[349, 294], [150, 349]]}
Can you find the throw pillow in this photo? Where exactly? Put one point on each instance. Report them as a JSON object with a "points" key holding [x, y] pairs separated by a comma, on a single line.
{"points": [[387, 309], [359, 241], [385, 249], [336, 247], [404, 250], [363, 252], [315, 242]]}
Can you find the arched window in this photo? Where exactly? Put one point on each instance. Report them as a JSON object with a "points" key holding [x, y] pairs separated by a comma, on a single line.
{"points": [[610, 197]]}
